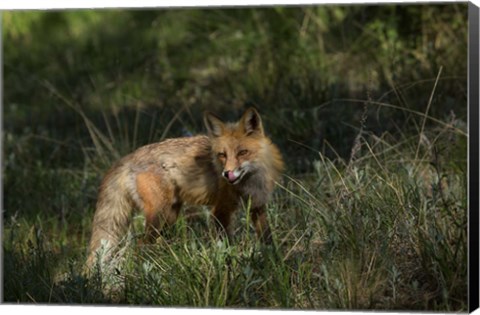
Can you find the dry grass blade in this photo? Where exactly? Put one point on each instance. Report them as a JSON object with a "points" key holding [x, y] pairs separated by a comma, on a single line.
{"points": [[99, 140], [426, 113], [408, 110]]}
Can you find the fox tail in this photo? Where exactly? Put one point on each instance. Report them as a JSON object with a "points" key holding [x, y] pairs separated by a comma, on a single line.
{"points": [[111, 220]]}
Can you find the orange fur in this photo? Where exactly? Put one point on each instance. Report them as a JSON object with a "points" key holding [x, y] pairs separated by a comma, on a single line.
{"points": [[235, 162]]}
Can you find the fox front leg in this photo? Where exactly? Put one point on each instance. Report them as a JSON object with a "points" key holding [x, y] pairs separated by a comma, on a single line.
{"points": [[222, 216], [260, 222]]}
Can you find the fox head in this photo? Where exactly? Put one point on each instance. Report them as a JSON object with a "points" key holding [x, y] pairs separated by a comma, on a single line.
{"points": [[238, 148]]}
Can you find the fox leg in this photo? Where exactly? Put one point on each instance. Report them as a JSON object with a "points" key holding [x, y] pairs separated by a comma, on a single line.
{"points": [[260, 222], [157, 219], [159, 203], [222, 216]]}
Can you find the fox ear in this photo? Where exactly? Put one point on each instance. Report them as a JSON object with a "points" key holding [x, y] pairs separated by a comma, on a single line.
{"points": [[214, 125], [251, 122]]}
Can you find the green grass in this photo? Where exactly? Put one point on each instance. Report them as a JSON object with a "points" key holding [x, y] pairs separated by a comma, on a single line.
{"points": [[368, 107], [385, 231]]}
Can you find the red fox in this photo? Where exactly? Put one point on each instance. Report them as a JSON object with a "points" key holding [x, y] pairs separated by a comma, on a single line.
{"points": [[235, 162]]}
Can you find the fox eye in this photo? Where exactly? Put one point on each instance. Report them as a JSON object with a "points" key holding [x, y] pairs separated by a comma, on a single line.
{"points": [[242, 152], [221, 155]]}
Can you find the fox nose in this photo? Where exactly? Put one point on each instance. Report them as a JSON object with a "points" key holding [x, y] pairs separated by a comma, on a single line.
{"points": [[230, 176]]}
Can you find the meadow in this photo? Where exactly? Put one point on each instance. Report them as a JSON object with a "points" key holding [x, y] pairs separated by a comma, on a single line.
{"points": [[368, 105]]}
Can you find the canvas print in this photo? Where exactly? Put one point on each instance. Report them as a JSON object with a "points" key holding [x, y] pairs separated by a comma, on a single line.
{"points": [[306, 157]]}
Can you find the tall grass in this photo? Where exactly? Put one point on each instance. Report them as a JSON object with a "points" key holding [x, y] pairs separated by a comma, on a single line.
{"points": [[386, 230]]}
